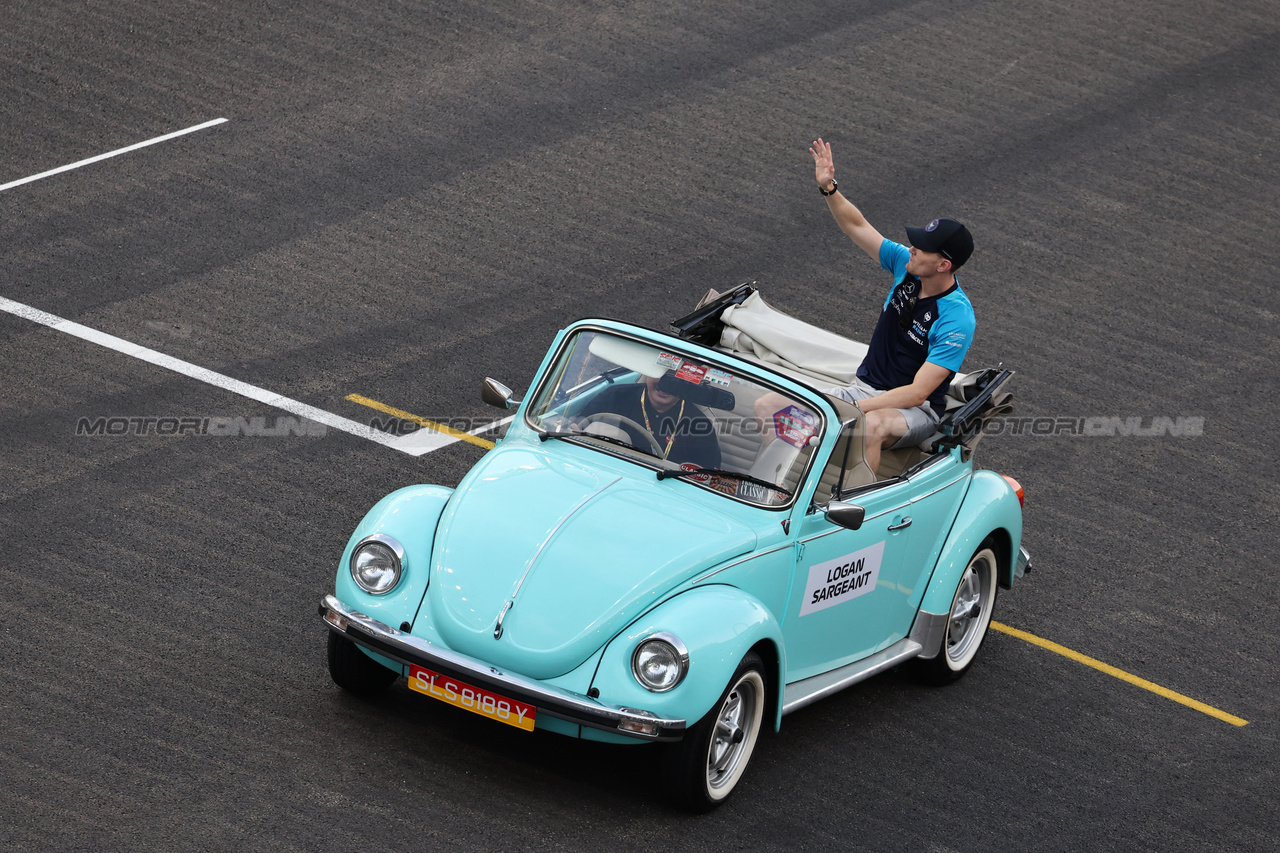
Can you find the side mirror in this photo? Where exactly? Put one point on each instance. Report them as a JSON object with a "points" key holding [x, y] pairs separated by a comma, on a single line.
{"points": [[846, 515], [496, 394]]}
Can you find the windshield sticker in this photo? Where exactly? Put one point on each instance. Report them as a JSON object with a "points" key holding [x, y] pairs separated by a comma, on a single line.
{"points": [[697, 478], [724, 485], [759, 494], [717, 377], [795, 426], [669, 361], [691, 372], [842, 579]]}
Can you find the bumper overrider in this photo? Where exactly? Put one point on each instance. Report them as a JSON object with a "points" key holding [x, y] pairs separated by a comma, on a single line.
{"points": [[553, 701], [1023, 566]]}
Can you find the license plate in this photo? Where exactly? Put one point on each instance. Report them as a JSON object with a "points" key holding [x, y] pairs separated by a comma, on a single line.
{"points": [[474, 699]]}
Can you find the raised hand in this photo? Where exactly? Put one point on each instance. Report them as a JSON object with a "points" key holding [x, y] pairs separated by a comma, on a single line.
{"points": [[824, 168]]}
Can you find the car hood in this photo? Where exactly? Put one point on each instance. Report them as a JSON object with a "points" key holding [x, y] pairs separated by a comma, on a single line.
{"points": [[578, 552]]}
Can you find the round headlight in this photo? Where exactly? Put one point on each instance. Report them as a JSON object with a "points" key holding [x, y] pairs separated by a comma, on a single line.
{"points": [[660, 662], [376, 564]]}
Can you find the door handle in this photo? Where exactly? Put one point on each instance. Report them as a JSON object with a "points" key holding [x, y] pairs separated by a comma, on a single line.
{"points": [[902, 525]]}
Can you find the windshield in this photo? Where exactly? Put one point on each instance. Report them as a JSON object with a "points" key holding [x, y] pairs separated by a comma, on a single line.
{"points": [[689, 417]]}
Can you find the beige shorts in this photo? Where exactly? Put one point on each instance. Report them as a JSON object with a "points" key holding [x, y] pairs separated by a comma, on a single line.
{"points": [[922, 421]]}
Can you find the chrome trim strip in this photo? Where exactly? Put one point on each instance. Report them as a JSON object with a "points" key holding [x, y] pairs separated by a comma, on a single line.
{"points": [[497, 629], [798, 694], [748, 558], [553, 701], [942, 487], [552, 535]]}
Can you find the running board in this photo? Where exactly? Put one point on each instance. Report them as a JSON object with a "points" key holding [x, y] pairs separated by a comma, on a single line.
{"points": [[801, 693]]}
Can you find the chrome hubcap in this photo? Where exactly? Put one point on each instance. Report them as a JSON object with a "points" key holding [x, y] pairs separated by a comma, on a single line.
{"points": [[731, 733], [966, 611]]}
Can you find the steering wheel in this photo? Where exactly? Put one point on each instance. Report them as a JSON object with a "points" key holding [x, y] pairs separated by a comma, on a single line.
{"points": [[632, 428]]}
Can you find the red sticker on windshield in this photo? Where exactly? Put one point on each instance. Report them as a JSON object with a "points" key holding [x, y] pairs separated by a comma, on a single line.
{"points": [[691, 372], [697, 478]]}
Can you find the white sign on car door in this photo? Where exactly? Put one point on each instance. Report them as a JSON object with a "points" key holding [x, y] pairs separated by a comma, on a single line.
{"points": [[842, 579]]}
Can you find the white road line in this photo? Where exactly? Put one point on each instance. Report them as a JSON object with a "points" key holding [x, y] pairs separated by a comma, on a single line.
{"points": [[115, 153], [415, 444], [426, 440]]}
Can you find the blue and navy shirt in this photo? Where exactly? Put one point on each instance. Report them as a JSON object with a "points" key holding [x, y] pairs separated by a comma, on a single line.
{"points": [[939, 330]]}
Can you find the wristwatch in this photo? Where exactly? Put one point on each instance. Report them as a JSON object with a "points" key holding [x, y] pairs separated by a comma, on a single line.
{"points": [[834, 186]]}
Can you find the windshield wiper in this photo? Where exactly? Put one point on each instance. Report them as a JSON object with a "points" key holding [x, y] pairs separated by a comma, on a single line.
{"points": [[738, 475], [581, 433]]}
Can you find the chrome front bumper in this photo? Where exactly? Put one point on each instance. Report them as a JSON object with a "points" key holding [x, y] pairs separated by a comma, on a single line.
{"points": [[552, 701]]}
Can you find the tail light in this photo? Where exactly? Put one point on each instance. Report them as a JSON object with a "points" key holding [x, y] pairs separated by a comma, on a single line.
{"points": [[1017, 489]]}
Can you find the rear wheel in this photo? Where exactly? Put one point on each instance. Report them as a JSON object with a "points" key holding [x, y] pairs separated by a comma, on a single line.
{"points": [[702, 770], [354, 671], [971, 607]]}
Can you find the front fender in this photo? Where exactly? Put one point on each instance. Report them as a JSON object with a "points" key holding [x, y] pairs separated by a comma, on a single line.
{"points": [[719, 625], [990, 508], [408, 515]]}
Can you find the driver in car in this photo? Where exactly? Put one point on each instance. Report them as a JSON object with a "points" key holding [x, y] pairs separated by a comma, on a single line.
{"points": [[682, 432]]}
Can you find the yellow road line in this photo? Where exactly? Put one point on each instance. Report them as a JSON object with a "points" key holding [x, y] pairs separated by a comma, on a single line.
{"points": [[403, 415], [1119, 673]]}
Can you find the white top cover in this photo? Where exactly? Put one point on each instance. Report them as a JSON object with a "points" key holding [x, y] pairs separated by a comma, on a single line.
{"points": [[812, 355]]}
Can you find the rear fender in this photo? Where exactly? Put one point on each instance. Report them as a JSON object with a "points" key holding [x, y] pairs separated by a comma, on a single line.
{"points": [[718, 625], [990, 510]]}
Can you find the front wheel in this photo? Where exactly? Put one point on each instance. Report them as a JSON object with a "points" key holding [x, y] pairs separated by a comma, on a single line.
{"points": [[354, 671], [702, 770], [967, 623]]}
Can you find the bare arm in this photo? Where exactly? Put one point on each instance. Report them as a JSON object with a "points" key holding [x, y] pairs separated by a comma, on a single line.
{"points": [[848, 217], [926, 381]]}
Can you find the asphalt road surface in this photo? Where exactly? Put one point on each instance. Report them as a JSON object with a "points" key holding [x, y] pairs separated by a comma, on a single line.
{"points": [[409, 196]]}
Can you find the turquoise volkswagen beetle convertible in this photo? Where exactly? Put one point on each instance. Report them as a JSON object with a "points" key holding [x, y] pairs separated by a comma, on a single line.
{"points": [[645, 558]]}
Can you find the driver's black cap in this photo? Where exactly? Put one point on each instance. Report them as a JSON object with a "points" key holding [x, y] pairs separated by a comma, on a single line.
{"points": [[944, 236]]}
